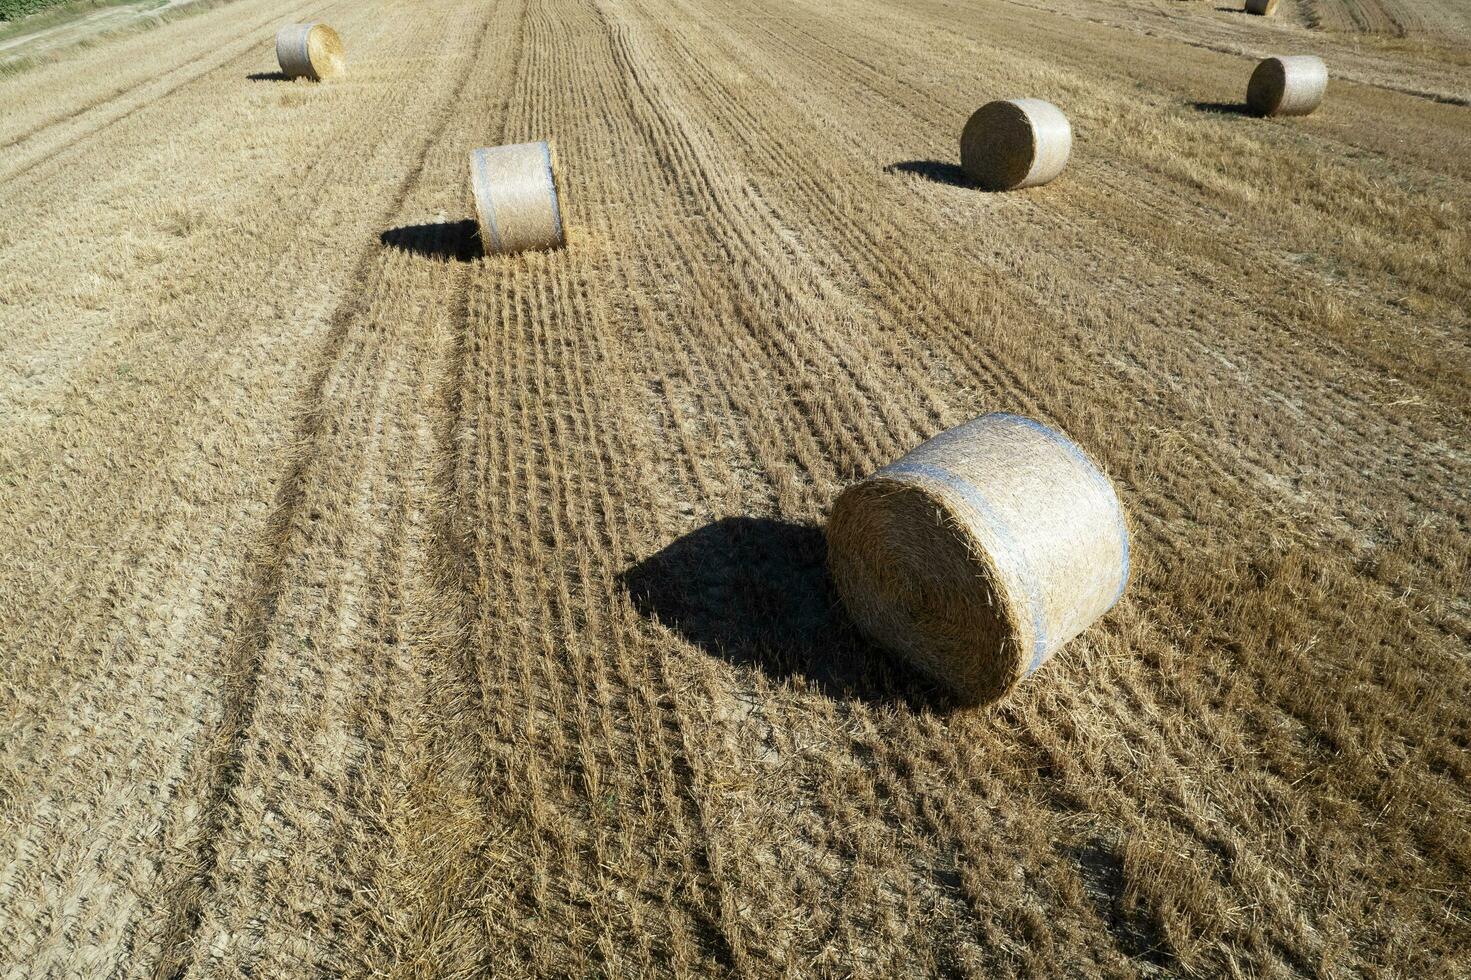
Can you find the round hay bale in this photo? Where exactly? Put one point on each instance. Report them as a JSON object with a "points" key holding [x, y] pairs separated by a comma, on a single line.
{"points": [[1287, 86], [981, 552], [310, 51], [516, 201], [1262, 8], [1014, 143]]}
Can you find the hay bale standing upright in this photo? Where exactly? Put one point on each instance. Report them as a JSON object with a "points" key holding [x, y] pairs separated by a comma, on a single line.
{"points": [[516, 200], [310, 51], [1015, 143], [981, 552], [1262, 8], [1287, 86]]}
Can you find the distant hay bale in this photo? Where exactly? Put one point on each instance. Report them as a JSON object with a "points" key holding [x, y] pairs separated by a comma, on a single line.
{"points": [[310, 51], [516, 200], [981, 552], [1262, 8], [1287, 86], [1015, 143]]}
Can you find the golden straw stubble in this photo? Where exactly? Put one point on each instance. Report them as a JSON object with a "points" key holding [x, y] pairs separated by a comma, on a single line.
{"points": [[1013, 143], [1289, 85], [516, 197], [980, 553], [310, 51]]}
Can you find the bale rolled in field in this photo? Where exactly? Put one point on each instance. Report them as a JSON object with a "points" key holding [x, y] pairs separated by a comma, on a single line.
{"points": [[1014, 143], [981, 552], [1262, 8], [310, 51], [516, 197], [1287, 86]]}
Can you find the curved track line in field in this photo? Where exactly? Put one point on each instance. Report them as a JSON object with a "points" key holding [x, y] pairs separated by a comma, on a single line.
{"points": [[138, 573], [745, 207], [437, 608], [188, 894], [682, 747], [709, 923], [548, 527], [320, 169]]}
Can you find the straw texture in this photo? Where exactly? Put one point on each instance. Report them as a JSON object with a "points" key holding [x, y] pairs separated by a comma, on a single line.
{"points": [[1264, 8], [516, 200], [310, 51], [1014, 143], [1287, 86], [981, 552]]}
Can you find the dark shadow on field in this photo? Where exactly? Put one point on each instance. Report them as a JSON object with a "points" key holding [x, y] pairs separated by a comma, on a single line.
{"points": [[449, 240], [1222, 108], [1135, 933], [939, 171], [269, 76], [755, 591]]}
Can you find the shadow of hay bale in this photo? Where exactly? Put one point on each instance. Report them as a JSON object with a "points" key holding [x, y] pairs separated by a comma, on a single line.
{"points": [[457, 241], [268, 76], [938, 171], [1222, 108], [755, 592]]}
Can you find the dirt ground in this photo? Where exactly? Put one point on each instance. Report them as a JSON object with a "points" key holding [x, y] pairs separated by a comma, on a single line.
{"points": [[373, 606]]}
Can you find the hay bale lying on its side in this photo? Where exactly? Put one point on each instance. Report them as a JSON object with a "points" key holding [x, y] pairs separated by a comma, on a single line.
{"points": [[516, 201], [1288, 86], [310, 51], [1014, 143], [1262, 8], [981, 552]]}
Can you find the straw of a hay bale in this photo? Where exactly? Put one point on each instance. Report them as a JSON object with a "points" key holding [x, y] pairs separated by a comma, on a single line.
{"points": [[516, 201], [1015, 143], [310, 51], [1263, 8], [1287, 86], [981, 552]]}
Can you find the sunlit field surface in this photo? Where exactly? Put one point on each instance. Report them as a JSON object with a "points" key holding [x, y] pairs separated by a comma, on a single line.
{"points": [[370, 605]]}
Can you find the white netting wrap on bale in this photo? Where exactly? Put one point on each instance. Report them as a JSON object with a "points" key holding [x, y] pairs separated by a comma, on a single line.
{"points": [[1015, 143], [981, 552], [310, 51], [1287, 86], [516, 199]]}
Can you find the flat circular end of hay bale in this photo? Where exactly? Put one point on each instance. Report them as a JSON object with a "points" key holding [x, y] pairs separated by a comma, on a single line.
{"points": [[904, 567], [1265, 89], [1014, 143], [980, 553], [1287, 86], [326, 52], [1262, 8], [313, 51], [517, 197]]}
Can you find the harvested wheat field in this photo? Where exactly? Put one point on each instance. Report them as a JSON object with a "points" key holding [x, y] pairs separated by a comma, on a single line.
{"points": [[371, 604]]}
